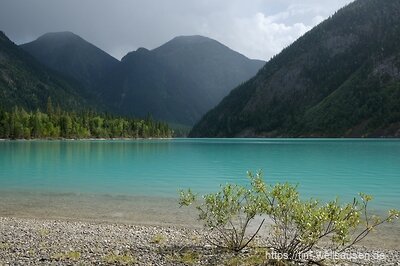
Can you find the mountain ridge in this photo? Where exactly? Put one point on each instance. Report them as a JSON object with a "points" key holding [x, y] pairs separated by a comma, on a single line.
{"points": [[72, 56], [182, 78], [26, 83], [175, 82], [292, 95]]}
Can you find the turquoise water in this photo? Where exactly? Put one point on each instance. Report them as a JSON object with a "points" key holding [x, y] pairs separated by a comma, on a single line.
{"points": [[158, 168]]}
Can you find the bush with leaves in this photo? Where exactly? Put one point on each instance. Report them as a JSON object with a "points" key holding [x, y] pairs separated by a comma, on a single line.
{"points": [[296, 226], [229, 213]]}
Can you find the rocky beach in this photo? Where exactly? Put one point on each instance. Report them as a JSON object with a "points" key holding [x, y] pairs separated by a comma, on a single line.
{"points": [[29, 241]]}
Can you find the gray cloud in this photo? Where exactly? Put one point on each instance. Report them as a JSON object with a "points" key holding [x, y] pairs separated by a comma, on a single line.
{"points": [[256, 28]]}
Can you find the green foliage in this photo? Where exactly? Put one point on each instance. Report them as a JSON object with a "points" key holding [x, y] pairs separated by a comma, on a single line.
{"points": [[25, 82], [297, 225], [255, 257], [228, 213], [186, 257], [177, 82], [70, 255], [120, 259], [158, 239], [19, 124]]}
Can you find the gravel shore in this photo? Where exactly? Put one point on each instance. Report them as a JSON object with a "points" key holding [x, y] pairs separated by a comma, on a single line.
{"points": [[58, 242]]}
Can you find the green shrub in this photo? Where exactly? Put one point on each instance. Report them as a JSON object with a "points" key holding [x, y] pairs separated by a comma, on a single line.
{"points": [[69, 255], [120, 259], [228, 213], [187, 257], [296, 227], [158, 239]]}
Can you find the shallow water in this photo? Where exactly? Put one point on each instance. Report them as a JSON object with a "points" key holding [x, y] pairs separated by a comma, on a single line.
{"points": [[158, 168], [137, 181]]}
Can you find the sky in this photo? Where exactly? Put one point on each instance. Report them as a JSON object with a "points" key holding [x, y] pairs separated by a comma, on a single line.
{"points": [[259, 29]]}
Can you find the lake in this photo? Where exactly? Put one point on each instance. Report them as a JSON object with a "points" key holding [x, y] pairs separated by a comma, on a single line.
{"points": [[139, 180]]}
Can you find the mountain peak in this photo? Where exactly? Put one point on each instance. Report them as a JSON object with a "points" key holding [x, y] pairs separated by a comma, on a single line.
{"points": [[187, 73], [191, 39], [26, 83], [196, 42], [71, 55], [142, 50], [3, 36], [59, 36]]}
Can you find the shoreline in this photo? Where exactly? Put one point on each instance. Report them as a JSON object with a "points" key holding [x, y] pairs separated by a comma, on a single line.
{"points": [[219, 138], [85, 139], [133, 210], [31, 241]]}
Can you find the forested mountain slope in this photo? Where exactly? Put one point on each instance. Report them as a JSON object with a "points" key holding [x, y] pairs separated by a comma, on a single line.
{"points": [[26, 83], [72, 56], [179, 81], [340, 79]]}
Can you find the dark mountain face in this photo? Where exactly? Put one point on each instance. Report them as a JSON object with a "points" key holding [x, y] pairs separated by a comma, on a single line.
{"points": [[26, 83], [72, 56], [340, 79], [179, 81]]}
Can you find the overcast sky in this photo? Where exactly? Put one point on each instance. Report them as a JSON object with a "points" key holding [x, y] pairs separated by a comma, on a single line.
{"points": [[256, 28]]}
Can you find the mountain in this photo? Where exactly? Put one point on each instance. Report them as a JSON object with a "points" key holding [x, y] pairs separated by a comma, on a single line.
{"points": [[178, 81], [341, 79], [27, 83], [72, 56]]}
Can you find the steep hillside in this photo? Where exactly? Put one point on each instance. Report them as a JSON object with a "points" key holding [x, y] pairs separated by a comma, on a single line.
{"points": [[27, 83], [72, 56], [179, 81], [340, 79]]}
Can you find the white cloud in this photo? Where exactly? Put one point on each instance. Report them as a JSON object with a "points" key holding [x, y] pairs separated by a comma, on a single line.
{"points": [[259, 35], [317, 19], [264, 28], [263, 36]]}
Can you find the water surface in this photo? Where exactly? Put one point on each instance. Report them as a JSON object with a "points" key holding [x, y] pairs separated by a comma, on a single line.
{"points": [[137, 181]]}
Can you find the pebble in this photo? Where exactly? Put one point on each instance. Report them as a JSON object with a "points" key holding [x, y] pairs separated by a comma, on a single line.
{"points": [[26, 241]]}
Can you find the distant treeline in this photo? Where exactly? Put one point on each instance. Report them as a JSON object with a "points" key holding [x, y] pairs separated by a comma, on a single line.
{"points": [[55, 123]]}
